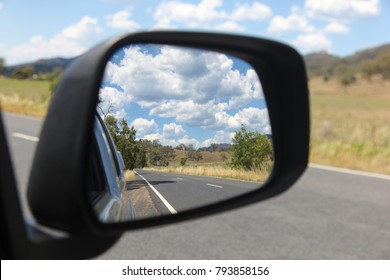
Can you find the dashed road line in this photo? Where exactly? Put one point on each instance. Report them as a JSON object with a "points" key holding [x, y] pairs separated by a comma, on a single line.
{"points": [[216, 186], [25, 137]]}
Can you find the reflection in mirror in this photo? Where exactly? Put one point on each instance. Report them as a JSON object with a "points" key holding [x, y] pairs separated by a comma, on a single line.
{"points": [[177, 128]]}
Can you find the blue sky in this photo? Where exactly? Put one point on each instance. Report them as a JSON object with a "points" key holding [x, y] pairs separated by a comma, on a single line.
{"points": [[36, 29]]}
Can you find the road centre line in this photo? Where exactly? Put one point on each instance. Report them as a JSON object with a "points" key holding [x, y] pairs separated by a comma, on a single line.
{"points": [[25, 137], [166, 203], [212, 185], [350, 171]]}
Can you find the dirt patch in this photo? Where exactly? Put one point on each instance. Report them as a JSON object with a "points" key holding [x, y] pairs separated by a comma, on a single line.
{"points": [[142, 203]]}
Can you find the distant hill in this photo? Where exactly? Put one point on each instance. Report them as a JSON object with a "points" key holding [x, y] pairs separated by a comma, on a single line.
{"points": [[42, 65], [316, 63], [319, 63]]}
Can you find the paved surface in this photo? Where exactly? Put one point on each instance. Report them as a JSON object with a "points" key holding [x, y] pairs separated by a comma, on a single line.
{"points": [[326, 215], [184, 192]]}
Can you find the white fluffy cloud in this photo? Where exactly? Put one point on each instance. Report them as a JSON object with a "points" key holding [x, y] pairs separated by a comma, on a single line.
{"points": [[313, 42], [337, 28], [67, 43], [177, 74], [121, 20], [343, 9], [208, 14], [256, 11], [229, 26], [294, 21], [172, 135], [192, 87], [144, 126], [1, 5], [172, 130], [221, 136], [113, 101]]}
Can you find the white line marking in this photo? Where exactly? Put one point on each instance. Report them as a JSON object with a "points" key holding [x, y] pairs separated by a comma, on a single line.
{"points": [[214, 186], [350, 171], [178, 178], [25, 137], [166, 203]]}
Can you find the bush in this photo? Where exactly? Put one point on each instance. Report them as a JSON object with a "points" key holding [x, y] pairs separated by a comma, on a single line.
{"points": [[251, 149]]}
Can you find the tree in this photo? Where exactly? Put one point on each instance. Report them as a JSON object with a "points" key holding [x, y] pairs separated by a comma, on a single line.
{"points": [[383, 66], [251, 149], [190, 152], [368, 69], [197, 155], [23, 73], [141, 157], [346, 80], [214, 147], [133, 154], [223, 157], [2, 65], [379, 66], [53, 84], [112, 127], [181, 147], [126, 144], [183, 161]]}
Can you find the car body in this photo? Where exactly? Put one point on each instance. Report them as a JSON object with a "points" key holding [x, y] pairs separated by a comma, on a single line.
{"points": [[106, 177]]}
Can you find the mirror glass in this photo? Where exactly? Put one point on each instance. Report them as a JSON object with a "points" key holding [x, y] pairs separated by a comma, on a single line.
{"points": [[176, 128]]}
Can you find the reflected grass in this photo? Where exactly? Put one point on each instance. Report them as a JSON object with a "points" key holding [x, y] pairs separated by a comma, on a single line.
{"points": [[218, 170]]}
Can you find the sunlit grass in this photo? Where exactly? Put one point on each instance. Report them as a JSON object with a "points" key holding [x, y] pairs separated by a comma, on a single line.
{"points": [[24, 97], [218, 170], [129, 175], [353, 130]]}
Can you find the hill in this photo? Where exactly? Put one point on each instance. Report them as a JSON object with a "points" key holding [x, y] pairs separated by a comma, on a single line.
{"points": [[42, 66], [321, 63], [317, 64]]}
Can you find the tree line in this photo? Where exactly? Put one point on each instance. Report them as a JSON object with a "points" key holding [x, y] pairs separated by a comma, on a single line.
{"points": [[250, 149]]}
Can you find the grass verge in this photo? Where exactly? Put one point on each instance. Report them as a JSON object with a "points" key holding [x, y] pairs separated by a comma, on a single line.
{"points": [[351, 130], [25, 97], [221, 171], [129, 175]]}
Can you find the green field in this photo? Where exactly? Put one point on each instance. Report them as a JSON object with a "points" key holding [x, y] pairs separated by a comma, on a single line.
{"points": [[26, 97], [351, 130]]}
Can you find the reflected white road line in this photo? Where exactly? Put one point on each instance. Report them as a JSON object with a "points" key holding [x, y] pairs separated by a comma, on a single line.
{"points": [[166, 203], [216, 186]]}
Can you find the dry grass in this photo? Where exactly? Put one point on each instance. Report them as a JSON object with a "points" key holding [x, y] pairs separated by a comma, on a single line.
{"points": [[208, 157], [24, 96], [353, 130], [129, 175], [217, 170]]}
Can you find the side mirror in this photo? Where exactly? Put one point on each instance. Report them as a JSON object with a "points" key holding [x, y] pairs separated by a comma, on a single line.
{"points": [[263, 75]]}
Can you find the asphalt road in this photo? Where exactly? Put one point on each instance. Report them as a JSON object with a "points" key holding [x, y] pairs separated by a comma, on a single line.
{"points": [[328, 214], [183, 192]]}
